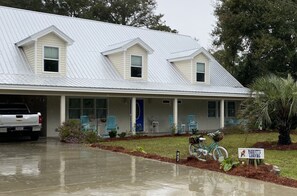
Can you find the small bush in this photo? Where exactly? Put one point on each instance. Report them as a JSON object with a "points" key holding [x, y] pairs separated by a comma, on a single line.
{"points": [[112, 133], [140, 149], [228, 164], [91, 137], [122, 135], [70, 131]]}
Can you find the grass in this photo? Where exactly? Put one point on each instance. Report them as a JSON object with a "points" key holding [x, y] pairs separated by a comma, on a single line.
{"points": [[167, 146]]}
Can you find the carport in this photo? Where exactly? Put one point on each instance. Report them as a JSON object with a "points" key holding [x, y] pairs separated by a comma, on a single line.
{"points": [[36, 103]]}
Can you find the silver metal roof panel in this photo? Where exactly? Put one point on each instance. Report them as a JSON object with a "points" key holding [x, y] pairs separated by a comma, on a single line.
{"points": [[88, 68]]}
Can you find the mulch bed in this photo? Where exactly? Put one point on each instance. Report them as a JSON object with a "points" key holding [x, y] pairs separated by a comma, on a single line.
{"points": [[263, 172], [275, 146]]}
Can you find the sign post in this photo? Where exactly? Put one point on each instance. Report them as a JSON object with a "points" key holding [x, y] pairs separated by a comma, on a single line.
{"points": [[251, 153]]}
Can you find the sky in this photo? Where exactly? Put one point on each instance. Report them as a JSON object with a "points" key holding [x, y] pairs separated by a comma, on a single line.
{"points": [[189, 17]]}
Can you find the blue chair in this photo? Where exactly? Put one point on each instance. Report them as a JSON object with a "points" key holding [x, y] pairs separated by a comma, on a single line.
{"points": [[85, 123], [170, 120], [111, 124], [192, 123]]}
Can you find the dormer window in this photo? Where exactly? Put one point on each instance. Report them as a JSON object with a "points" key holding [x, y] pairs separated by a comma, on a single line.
{"points": [[46, 51], [200, 73], [51, 59], [136, 66], [194, 64]]}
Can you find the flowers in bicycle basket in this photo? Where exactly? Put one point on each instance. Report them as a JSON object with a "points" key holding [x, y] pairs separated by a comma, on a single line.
{"points": [[217, 136], [194, 139]]}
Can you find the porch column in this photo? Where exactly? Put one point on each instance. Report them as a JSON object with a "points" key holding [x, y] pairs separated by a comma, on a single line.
{"points": [[62, 109], [222, 112], [175, 113], [133, 114]]}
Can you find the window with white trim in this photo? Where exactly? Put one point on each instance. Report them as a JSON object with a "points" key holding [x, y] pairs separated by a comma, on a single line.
{"points": [[229, 109], [212, 111], [136, 66], [200, 72], [51, 59], [93, 108]]}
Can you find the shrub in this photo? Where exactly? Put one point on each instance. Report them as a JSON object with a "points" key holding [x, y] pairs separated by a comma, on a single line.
{"points": [[140, 149], [228, 164], [91, 137], [70, 131], [122, 135], [112, 133]]}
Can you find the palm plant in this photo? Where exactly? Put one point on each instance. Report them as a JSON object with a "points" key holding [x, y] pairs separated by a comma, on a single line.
{"points": [[273, 101]]}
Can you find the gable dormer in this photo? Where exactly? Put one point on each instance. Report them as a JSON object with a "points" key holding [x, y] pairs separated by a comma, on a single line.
{"points": [[193, 64], [46, 51], [130, 58]]}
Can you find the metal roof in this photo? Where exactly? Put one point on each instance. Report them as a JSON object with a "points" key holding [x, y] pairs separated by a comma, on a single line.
{"points": [[119, 47], [188, 54], [88, 68], [51, 29]]}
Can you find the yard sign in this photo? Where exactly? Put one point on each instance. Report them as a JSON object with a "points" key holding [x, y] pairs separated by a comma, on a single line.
{"points": [[251, 153]]}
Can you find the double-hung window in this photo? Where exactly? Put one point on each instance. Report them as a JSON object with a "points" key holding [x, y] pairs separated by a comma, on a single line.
{"points": [[231, 109], [93, 108], [136, 66], [212, 112], [51, 59], [200, 72]]}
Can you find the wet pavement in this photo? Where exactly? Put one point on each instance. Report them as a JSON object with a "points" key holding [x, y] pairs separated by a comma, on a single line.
{"points": [[48, 167]]}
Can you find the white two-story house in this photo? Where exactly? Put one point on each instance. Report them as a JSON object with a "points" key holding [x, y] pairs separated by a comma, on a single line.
{"points": [[148, 80]]}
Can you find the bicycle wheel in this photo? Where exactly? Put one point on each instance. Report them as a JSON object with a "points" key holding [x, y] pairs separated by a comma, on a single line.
{"points": [[220, 153], [193, 150]]}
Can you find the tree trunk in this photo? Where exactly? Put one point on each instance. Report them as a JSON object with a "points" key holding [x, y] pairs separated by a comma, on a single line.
{"points": [[284, 137]]}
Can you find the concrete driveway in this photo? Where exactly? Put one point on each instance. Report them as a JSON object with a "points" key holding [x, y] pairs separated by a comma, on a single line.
{"points": [[48, 167]]}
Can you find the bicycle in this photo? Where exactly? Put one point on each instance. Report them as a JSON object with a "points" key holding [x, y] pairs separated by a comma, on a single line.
{"points": [[197, 148]]}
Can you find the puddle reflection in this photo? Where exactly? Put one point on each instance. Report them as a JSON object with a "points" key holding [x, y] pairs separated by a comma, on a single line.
{"points": [[72, 169]]}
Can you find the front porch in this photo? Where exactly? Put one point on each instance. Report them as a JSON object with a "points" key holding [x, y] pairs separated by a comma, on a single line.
{"points": [[149, 115]]}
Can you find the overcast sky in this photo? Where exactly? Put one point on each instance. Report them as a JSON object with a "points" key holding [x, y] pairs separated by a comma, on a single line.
{"points": [[190, 17]]}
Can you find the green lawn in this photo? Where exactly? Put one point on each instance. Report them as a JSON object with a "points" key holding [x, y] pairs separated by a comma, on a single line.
{"points": [[167, 147]]}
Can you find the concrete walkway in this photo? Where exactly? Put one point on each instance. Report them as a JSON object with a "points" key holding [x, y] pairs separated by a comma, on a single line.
{"points": [[48, 167]]}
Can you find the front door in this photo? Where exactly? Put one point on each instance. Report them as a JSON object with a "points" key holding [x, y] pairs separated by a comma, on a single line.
{"points": [[139, 115]]}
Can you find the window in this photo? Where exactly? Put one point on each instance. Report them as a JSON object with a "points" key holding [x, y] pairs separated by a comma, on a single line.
{"points": [[94, 108], [136, 66], [74, 108], [88, 107], [51, 59], [200, 74], [212, 109], [231, 109], [101, 108]]}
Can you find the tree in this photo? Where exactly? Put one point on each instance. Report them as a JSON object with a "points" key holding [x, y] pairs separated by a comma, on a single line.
{"points": [[253, 38], [273, 101], [138, 13]]}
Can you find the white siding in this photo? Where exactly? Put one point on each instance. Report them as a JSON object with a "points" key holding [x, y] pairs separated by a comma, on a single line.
{"points": [[53, 41], [139, 51], [120, 107], [30, 54], [185, 68], [53, 116], [201, 58], [156, 110], [117, 60]]}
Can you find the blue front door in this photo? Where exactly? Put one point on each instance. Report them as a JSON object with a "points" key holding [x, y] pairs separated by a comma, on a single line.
{"points": [[139, 115]]}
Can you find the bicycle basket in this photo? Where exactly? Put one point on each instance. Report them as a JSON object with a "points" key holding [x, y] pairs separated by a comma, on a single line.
{"points": [[218, 136], [194, 139]]}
